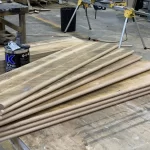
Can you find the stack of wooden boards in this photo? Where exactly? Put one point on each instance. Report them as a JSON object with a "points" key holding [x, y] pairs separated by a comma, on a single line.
{"points": [[70, 83], [42, 49]]}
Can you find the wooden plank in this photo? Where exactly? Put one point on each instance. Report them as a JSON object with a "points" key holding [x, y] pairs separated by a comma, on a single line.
{"points": [[95, 106], [51, 58], [42, 49], [18, 72], [122, 74], [77, 75], [47, 46], [65, 118], [78, 59], [117, 65]]}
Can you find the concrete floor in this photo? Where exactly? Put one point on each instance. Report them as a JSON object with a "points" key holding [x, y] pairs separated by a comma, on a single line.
{"points": [[122, 127]]}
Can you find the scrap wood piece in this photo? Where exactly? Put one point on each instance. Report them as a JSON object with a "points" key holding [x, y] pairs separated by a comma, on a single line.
{"points": [[122, 74], [70, 78], [44, 62], [65, 66], [102, 102]]}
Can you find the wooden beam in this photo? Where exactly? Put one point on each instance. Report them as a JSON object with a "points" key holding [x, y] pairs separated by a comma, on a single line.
{"points": [[9, 24], [22, 24]]}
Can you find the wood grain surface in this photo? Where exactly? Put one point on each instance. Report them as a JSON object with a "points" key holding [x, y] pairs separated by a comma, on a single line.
{"points": [[116, 100], [72, 82], [41, 76], [122, 74], [77, 75]]}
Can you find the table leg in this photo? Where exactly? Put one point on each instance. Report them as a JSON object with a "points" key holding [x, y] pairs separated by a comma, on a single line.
{"points": [[22, 24], [2, 26]]}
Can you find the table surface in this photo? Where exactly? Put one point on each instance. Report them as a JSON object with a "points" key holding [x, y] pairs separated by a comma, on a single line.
{"points": [[13, 7]]}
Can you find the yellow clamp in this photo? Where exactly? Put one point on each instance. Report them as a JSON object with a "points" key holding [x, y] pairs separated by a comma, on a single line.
{"points": [[129, 13], [86, 5], [118, 4], [80, 2]]}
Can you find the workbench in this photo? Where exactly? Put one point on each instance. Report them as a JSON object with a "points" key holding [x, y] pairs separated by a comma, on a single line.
{"points": [[14, 9]]}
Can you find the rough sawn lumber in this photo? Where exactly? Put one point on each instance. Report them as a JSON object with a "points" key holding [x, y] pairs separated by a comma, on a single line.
{"points": [[122, 74], [88, 69], [51, 75]]}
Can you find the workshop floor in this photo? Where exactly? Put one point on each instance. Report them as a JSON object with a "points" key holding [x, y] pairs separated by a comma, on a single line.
{"points": [[122, 127]]}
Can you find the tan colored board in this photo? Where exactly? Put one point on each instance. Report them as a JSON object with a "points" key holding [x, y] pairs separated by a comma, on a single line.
{"points": [[66, 117], [27, 68], [134, 83], [121, 98], [51, 58], [88, 69], [48, 46], [45, 76], [39, 50], [112, 78]]}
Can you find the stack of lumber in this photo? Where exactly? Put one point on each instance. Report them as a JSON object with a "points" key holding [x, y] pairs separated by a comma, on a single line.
{"points": [[67, 84], [39, 50]]}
